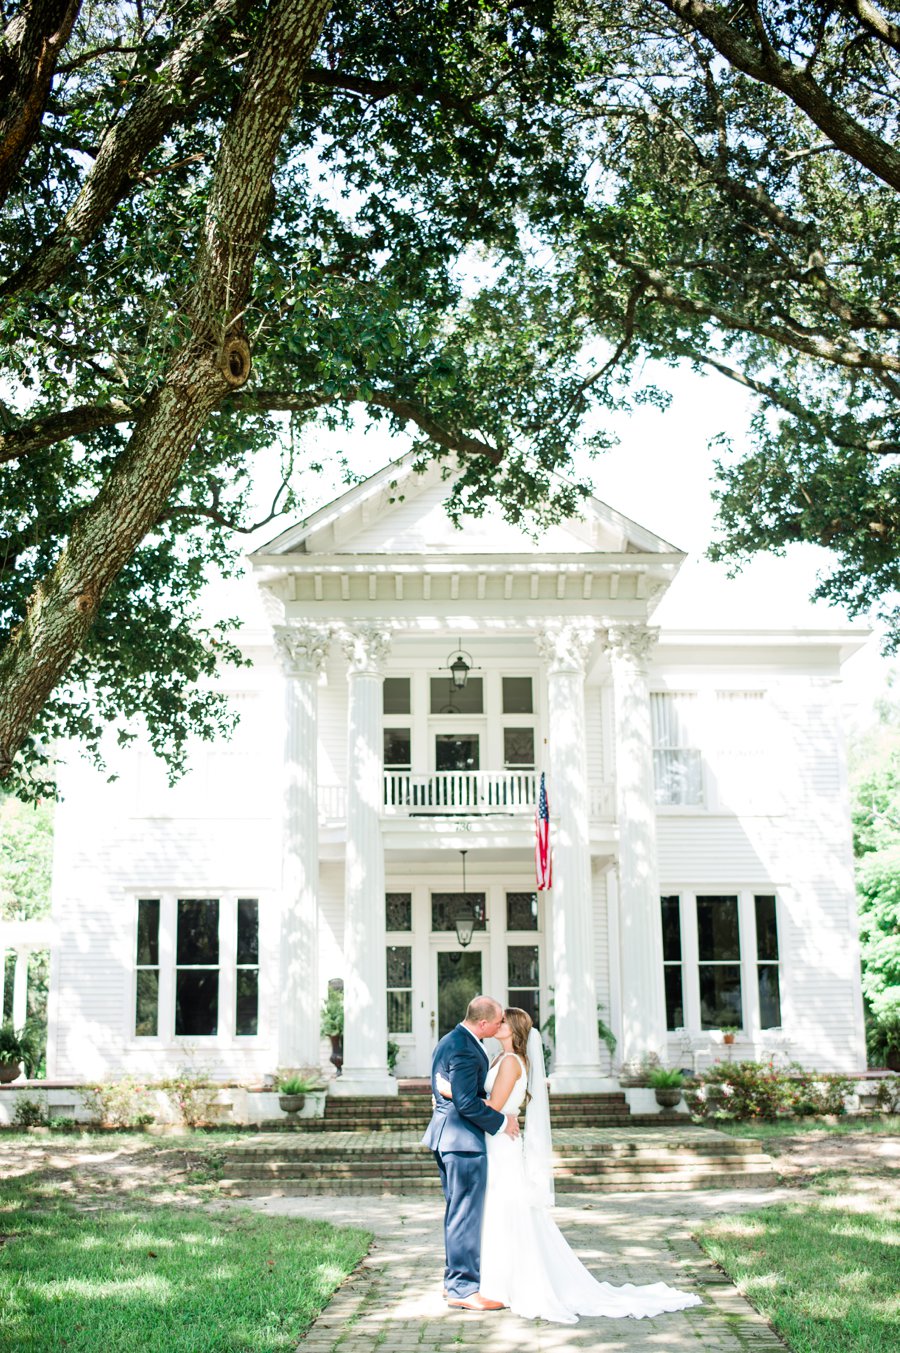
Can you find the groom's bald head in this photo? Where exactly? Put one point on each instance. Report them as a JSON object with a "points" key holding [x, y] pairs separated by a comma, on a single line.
{"points": [[483, 1010]]}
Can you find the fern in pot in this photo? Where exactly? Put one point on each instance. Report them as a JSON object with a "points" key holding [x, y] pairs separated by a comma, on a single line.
{"points": [[666, 1084]]}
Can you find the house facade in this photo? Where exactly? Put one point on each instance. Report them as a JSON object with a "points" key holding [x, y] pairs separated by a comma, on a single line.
{"points": [[372, 822]]}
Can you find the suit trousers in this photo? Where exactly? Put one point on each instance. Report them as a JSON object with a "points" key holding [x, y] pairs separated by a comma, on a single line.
{"points": [[464, 1181]]}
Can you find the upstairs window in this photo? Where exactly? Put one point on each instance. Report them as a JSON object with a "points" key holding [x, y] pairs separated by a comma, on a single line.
{"points": [[396, 695], [676, 756], [446, 699]]}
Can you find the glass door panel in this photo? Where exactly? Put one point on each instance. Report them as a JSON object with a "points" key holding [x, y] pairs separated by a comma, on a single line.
{"points": [[458, 980]]}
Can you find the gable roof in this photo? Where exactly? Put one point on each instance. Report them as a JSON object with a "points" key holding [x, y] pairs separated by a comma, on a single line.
{"points": [[399, 510]]}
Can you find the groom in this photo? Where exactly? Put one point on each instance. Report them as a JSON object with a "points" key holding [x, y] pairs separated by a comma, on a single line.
{"points": [[456, 1136]]}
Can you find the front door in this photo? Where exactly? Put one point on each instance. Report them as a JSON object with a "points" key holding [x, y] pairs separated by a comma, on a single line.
{"points": [[458, 978]]}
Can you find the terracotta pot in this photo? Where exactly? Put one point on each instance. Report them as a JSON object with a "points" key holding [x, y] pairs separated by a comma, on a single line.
{"points": [[337, 1052], [9, 1071], [728, 1038], [291, 1103]]}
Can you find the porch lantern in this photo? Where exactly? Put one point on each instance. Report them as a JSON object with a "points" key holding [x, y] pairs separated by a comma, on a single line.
{"points": [[465, 924], [459, 670]]}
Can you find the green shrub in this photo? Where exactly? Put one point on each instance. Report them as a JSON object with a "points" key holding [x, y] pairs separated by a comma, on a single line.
{"points": [[887, 1095], [30, 1113], [393, 1052], [759, 1090], [193, 1093], [123, 1103], [59, 1123]]}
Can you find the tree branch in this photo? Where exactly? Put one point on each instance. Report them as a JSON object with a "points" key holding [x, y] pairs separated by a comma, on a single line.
{"points": [[29, 50], [199, 376], [879, 446], [872, 18], [768, 67], [124, 147]]}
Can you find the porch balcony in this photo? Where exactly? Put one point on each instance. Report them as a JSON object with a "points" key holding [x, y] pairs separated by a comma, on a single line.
{"points": [[461, 793]]}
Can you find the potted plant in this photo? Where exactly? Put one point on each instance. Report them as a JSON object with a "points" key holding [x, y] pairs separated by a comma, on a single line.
{"points": [[292, 1091], [15, 1048], [666, 1085], [728, 1032], [332, 1025]]}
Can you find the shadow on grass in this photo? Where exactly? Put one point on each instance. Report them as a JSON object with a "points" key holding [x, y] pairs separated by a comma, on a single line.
{"points": [[164, 1278], [826, 1275]]}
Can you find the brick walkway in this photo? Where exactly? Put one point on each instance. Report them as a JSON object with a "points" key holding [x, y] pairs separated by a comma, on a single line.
{"points": [[393, 1301]]}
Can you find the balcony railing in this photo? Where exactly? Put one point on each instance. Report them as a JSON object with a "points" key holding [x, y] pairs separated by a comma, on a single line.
{"points": [[460, 791]]}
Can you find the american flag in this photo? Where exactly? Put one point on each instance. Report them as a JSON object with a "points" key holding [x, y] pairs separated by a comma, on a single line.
{"points": [[543, 864]]}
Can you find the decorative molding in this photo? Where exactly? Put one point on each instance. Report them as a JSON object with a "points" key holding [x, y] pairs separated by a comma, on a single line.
{"points": [[365, 648], [566, 647], [302, 649], [631, 643]]}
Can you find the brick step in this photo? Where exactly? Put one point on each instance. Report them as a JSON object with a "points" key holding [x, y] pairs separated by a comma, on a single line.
{"points": [[248, 1188], [419, 1164]]}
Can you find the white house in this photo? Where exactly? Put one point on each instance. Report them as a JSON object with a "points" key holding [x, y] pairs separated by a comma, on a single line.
{"points": [[373, 820]]}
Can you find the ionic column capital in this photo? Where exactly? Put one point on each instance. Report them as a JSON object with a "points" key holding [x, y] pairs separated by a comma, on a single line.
{"points": [[302, 649], [631, 643], [365, 648], [565, 646]]}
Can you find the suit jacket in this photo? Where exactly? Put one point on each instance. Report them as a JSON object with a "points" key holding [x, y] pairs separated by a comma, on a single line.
{"points": [[459, 1124]]}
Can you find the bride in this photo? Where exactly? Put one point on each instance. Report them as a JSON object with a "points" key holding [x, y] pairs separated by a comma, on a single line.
{"points": [[525, 1260]]}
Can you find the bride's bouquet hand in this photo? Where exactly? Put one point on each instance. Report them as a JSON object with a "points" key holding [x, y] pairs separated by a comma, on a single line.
{"points": [[443, 1085]]}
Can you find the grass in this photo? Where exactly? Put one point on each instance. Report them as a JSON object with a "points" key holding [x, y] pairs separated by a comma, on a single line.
{"points": [[823, 1272], [161, 1278], [888, 1125]]}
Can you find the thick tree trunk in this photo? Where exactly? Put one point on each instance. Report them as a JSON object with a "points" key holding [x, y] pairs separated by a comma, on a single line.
{"points": [[63, 606], [29, 52]]}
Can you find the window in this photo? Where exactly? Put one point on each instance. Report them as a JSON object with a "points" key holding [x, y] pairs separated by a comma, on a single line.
{"points": [[523, 972], [446, 699], [399, 989], [719, 952], [518, 747], [521, 911], [454, 751], [672, 968], [517, 695], [246, 1015], [446, 907], [396, 695], [197, 967], [767, 968], [676, 757], [397, 749], [398, 911], [146, 1000]]}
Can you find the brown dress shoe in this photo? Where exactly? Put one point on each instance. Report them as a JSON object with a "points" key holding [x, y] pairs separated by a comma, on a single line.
{"points": [[476, 1302]]}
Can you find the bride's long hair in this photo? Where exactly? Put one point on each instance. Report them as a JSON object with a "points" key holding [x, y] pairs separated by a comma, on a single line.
{"points": [[519, 1022]]}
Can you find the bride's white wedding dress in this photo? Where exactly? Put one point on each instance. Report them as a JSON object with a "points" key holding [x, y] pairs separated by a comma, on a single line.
{"points": [[525, 1260]]}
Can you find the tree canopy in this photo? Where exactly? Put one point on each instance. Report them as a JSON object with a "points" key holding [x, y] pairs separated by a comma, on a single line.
{"points": [[474, 219]]}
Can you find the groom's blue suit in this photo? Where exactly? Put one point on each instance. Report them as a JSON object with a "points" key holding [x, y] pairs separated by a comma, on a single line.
{"points": [[456, 1136]]}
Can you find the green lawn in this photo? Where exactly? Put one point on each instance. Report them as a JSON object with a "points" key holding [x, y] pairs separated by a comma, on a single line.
{"points": [[888, 1125], [162, 1279], [825, 1273]]}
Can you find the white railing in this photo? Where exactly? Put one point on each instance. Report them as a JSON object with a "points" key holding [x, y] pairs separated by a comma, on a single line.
{"points": [[460, 791], [332, 803], [474, 791]]}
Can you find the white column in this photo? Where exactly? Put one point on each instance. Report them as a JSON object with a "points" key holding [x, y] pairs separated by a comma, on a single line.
{"points": [[643, 998], [365, 1000], [301, 650], [20, 990], [577, 1066]]}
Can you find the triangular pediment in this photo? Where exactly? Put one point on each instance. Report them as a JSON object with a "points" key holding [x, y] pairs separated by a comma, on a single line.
{"points": [[401, 511]]}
